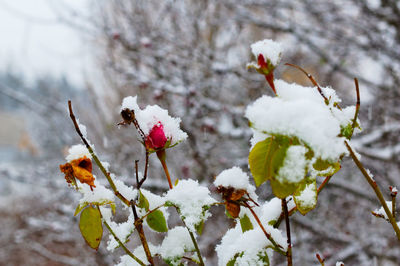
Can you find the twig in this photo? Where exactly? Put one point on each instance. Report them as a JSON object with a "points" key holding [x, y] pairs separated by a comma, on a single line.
{"points": [[393, 194], [278, 247], [376, 189], [201, 262], [357, 107], [122, 245], [140, 183], [289, 240], [139, 227], [311, 79], [94, 156]]}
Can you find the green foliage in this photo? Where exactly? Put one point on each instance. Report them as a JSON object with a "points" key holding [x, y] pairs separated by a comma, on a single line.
{"points": [[83, 205], [245, 223], [325, 167], [157, 222], [91, 226], [143, 202], [283, 189], [267, 157]]}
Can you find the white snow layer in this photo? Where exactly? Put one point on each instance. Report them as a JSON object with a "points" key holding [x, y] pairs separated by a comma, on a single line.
{"points": [[294, 166], [307, 197], [301, 111], [190, 198], [76, 152], [270, 50], [151, 116], [233, 177], [130, 103], [99, 194], [176, 243]]}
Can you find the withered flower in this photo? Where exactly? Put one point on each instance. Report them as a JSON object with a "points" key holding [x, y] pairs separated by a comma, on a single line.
{"points": [[231, 197], [80, 169]]}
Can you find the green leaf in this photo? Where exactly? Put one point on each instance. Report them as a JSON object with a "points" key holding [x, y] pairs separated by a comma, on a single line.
{"points": [[157, 222], [283, 190], [245, 223], [91, 226], [143, 202], [233, 260], [80, 207], [261, 160], [199, 227], [326, 168], [346, 131], [306, 196]]}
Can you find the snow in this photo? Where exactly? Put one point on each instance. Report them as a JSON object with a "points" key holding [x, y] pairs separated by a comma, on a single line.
{"points": [[251, 243], [381, 210], [128, 192], [300, 111], [139, 252], [100, 193], [130, 103], [394, 190], [307, 197], [176, 243], [190, 198], [271, 210], [233, 177], [82, 128], [294, 166], [270, 50], [339, 263], [76, 152], [121, 230]]}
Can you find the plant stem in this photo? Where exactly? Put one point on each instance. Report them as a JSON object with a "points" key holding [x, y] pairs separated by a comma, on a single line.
{"points": [[357, 107], [394, 206], [376, 189], [289, 241], [122, 245], [139, 227], [95, 158], [201, 262], [278, 247], [162, 156]]}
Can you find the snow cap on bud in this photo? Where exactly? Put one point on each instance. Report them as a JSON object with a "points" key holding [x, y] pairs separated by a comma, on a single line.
{"points": [[270, 51], [268, 54], [156, 138], [157, 128]]}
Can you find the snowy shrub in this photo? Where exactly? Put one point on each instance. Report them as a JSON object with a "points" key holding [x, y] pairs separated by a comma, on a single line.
{"points": [[299, 135]]}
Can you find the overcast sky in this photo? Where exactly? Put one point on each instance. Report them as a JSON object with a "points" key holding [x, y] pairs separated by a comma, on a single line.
{"points": [[34, 41]]}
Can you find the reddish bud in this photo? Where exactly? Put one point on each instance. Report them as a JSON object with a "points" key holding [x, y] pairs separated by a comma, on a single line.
{"points": [[156, 138]]}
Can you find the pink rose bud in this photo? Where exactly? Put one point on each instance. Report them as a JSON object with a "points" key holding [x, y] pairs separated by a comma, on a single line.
{"points": [[156, 138]]}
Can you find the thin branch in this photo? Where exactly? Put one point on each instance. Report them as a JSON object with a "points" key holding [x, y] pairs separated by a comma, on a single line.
{"points": [[122, 245], [278, 247], [139, 227], [311, 79], [357, 107], [289, 240], [201, 262], [95, 158], [376, 189]]}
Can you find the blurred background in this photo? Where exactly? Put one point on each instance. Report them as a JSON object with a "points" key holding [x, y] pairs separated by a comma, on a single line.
{"points": [[188, 57]]}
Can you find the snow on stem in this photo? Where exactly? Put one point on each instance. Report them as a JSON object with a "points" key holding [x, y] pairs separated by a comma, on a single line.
{"points": [[95, 158]]}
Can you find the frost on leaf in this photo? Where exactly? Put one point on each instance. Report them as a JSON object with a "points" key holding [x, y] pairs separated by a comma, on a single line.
{"points": [[306, 197], [192, 200]]}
